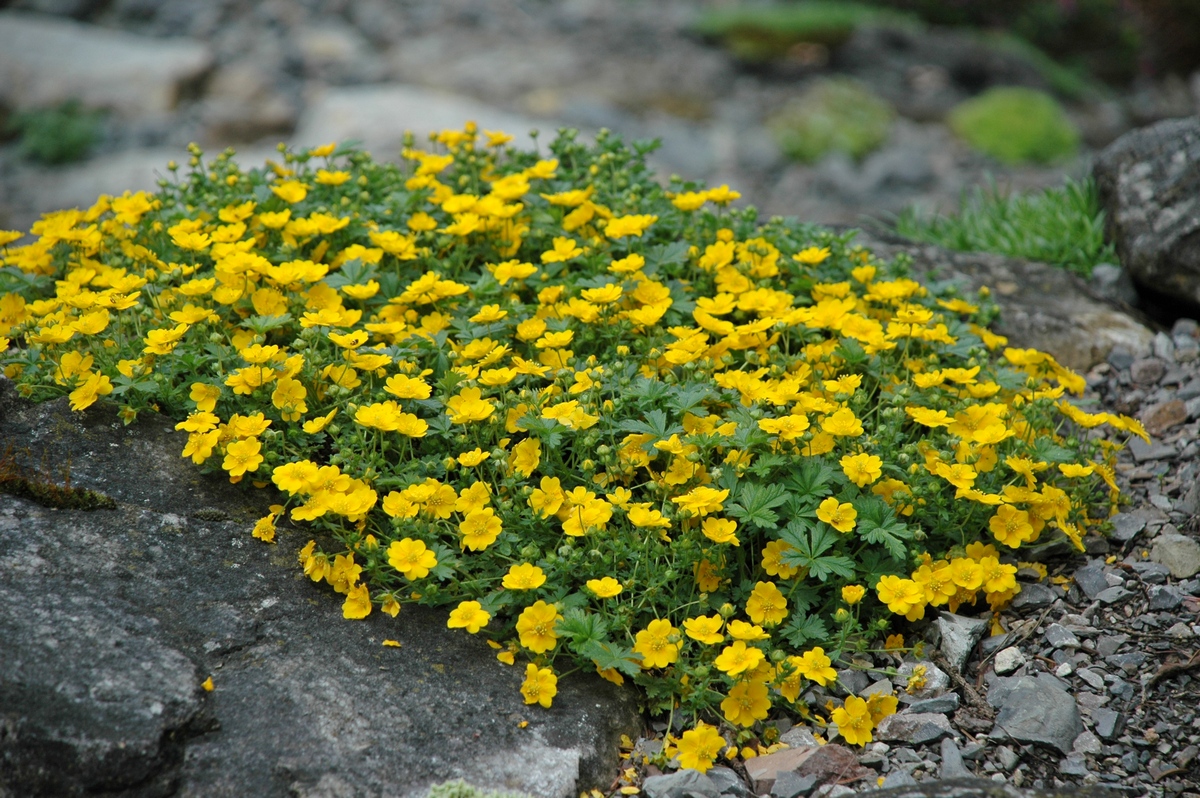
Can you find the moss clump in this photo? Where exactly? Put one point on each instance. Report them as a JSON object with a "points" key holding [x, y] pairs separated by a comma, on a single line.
{"points": [[1016, 125], [460, 789], [838, 114], [62, 134], [762, 33]]}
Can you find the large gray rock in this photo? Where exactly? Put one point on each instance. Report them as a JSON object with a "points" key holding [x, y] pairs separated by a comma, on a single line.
{"points": [[379, 115], [1179, 553], [959, 635], [1149, 185], [1041, 306], [45, 61], [986, 788], [1035, 710], [112, 619]]}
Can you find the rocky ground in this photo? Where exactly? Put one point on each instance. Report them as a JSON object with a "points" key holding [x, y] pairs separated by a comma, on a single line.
{"points": [[1097, 680]]}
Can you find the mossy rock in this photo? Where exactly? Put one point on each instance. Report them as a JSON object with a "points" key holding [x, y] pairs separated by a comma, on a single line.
{"points": [[1016, 125], [837, 114], [758, 34]]}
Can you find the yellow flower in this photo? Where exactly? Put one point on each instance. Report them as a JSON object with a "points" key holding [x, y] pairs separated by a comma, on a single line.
{"points": [[852, 594], [411, 558], [656, 644], [468, 615], [290, 191], [746, 703], [1011, 526], [525, 456], [766, 604], [540, 685], [738, 658], [468, 406], [705, 629], [480, 529], [242, 457], [699, 747], [357, 604], [748, 632], [525, 576], [815, 666], [853, 720], [536, 627], [842, 423], [633, 225], [720, 530], [862, 469], [701, 500], [839, 515], [564, 249], [811, 256], [605, 587]]}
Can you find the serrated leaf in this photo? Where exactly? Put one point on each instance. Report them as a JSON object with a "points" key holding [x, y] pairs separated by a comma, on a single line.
{"points": [[611, 656], [809, 543], [755, 504], [804, 628]]}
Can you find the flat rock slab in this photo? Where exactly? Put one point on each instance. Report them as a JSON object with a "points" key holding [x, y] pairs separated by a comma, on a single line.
{"points": [[378, 116], [45, 61], [112, 618], [1042, 306], [1035, 710], [986, 788]]}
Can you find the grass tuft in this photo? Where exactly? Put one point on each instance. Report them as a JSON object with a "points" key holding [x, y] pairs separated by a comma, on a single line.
{"points": [[1063, 225]]}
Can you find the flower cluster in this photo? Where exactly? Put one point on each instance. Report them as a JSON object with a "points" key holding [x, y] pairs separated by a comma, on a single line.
{"points": [[600, 419]]}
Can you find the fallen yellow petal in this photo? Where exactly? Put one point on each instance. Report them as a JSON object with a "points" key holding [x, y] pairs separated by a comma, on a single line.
{"points": [[207, 684], [392, 643]]}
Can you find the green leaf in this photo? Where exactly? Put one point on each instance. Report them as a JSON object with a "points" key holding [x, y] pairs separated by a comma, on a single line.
{"points": [[609, 655], [654, 423], [809, 543], [755, 502], [804, 628], [877, 524], [582, 627], [811, 480]]}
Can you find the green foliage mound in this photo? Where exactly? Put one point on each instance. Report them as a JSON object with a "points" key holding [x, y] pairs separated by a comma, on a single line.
{"points": [[1016, 125], [57, 135], [1063, 225], [832, 115], [605, 423]]}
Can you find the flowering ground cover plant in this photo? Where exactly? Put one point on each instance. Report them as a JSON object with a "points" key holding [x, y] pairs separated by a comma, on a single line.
{"points": [[608, 424]]}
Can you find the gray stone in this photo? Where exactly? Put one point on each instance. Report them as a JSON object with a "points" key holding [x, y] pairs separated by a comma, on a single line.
{"points": [[686, 783], [835, 791], [945, 704], [1059, 636], [914, 729], [798, 736], [1185, 328], [1094, 680], [113, 618], [1007, 758], [1073, 765], [1008, 660], [1112, 283], [1150, 192], [791, 784], [1125, 528], [952, 762], [1163, 597], [1091, 578], [1148, 371], [1128, 662], [936, 679], [1035, 710], [1151, 572], [1179, 553], [1113, 595], [1180, 631], [1035, 596], [1109, 723], [1143, 452], [1107, 646], [897, 778], [959, 636], [1164, 347], [45, 62], [1087, 743], [1186, 350], [244, 103], [729, 782]]}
